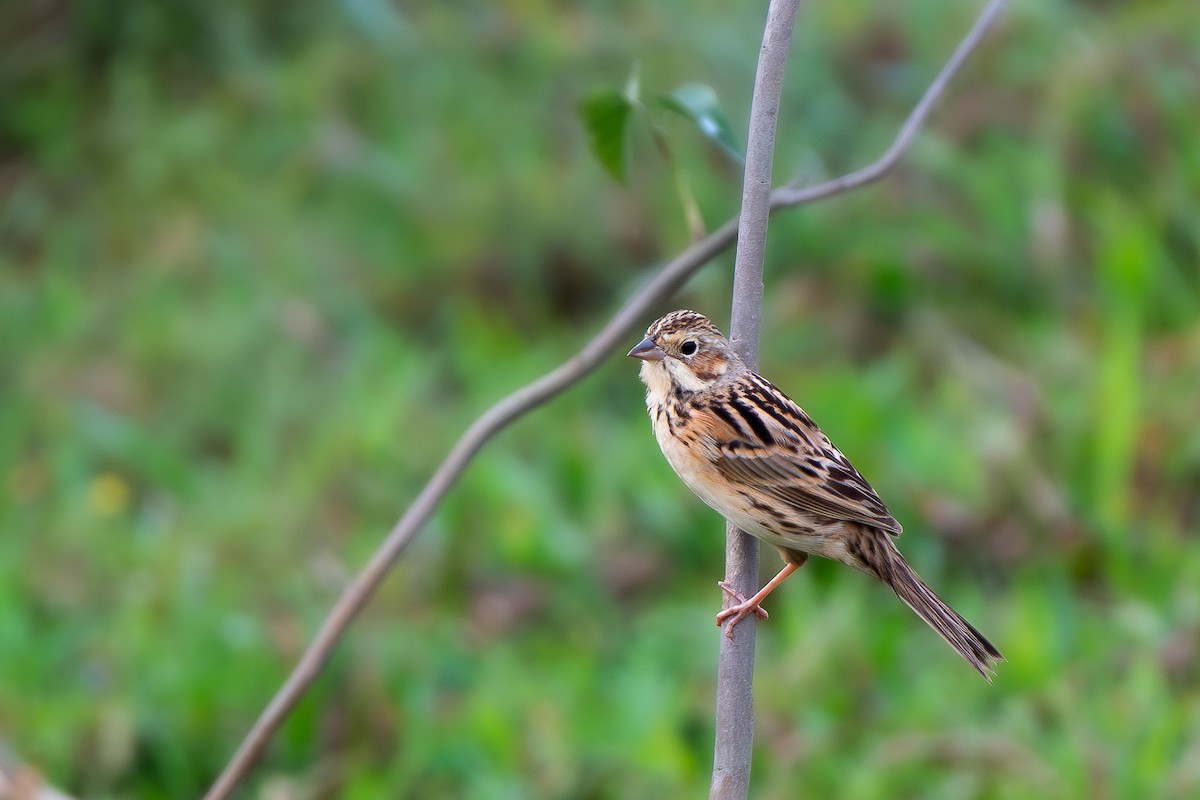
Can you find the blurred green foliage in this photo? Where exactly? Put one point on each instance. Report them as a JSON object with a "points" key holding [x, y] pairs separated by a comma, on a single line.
{"points": [[261, 263]]}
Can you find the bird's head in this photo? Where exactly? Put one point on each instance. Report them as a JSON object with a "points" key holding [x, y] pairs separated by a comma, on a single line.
{"points": [[685, 351]]}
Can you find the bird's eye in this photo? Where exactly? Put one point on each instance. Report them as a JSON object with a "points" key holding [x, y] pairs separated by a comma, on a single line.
{"points": [[688, 348]]}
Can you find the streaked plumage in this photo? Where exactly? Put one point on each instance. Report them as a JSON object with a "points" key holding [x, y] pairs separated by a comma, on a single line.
{"points": [[754, 456]]}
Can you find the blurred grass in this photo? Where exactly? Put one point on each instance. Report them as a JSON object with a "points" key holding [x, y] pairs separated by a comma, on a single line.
{"points": [[260, 265]]}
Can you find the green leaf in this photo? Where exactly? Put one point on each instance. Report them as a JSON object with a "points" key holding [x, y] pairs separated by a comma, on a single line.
{"points": [[606, 114], [698, 102]]}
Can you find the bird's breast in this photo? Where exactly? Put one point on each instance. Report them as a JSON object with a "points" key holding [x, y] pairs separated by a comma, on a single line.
{"points": [[688, 449]]}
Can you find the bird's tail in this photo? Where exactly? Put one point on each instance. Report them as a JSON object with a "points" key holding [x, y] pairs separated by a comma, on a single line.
{"points": [[889, 566]]}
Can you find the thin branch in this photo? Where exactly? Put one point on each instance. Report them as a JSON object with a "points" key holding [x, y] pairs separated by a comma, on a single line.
{"points": [[633, 314], [789, 196], [360, 590], [734, 740]]}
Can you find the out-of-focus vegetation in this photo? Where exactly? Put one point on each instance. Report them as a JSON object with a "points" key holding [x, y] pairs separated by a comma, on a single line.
{"points": [[261, 263]]}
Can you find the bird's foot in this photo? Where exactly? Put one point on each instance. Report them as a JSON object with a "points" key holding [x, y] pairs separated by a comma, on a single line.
{"points": [[739, 612]]}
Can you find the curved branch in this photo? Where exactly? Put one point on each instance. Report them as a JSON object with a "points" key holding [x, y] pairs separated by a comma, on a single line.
{"points": [[360, 590], [789, 196], [661, 285]]}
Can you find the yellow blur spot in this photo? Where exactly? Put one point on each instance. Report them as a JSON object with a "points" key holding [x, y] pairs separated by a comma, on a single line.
{"points": [[109, 494]]}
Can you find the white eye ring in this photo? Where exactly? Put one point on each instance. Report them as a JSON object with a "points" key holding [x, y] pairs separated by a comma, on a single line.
{"points": [[688, 348]]}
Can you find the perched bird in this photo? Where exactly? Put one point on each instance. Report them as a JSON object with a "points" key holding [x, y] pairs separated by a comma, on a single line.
{"points": [[755, 457]]}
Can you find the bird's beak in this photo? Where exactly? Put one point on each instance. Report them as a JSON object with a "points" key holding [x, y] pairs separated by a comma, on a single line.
{"points": [[647, 350]]}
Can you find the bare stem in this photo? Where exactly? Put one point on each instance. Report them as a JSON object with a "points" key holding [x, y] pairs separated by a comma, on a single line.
{"points": [[790, 196], [735, 664], [633, 314]]}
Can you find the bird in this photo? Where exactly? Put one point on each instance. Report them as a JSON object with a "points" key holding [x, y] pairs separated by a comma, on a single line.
{"points": [[754, 456]]}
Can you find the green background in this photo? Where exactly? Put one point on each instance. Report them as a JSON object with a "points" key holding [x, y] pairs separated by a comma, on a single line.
{"points": [[261, 264]]}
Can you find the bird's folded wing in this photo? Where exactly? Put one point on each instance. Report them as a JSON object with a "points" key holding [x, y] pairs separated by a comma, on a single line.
{"points": [[760, 437], [810, 484]]}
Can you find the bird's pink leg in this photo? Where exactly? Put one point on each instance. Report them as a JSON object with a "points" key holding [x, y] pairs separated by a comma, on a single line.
{"points": [[745, 607]]}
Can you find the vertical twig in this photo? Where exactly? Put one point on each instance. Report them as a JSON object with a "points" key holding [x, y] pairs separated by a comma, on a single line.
{"points": [[735, 667]]}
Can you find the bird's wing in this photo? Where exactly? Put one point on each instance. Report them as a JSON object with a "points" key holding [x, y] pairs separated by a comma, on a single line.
{"points": [[759, 437]]}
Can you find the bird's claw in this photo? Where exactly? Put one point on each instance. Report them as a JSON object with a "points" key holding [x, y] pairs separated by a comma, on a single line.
{"points": [[738, 612]]}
